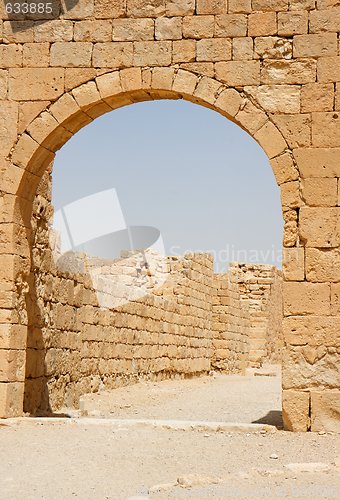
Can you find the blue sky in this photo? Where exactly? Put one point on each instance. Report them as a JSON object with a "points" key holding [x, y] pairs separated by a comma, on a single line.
{"points": [[184, 169]]}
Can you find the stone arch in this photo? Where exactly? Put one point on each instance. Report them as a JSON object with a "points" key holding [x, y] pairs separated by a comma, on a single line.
{"points": [[55, 125]]}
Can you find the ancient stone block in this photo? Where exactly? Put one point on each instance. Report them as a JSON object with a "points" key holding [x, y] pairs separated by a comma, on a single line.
{"points": [[293, 264], [273, 47], [326, 121], [243, 48], [325, 411], [284, 168], [306, 298], [8, 126], [315, 45], [211, 6], [113, 55], [231, 25], [320, 227], [296, 129], [125, 30], [335, 299], [36, 84], [12, 365], [318, 162], [290, 194], [180, 7], [93, 31], [322, 265], [198, 27], [229, 102], [183, 50], [71, 54], [317, 97], [277, 98], [238, 73], [80, 10], [329, 69], [292, 72], [292, 23], [270, 5], [320, 191], [214, 49], [109, 9], [168, 28], [53, 31], [152, 53], [36, 55], [11, 399], [270, 139], [140, 8], [239, 6], [295, 411], [10, 56], [313, 330], [262, 24]]}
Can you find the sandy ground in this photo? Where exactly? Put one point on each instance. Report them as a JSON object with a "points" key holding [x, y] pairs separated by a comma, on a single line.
{"points": [[75, 459]]}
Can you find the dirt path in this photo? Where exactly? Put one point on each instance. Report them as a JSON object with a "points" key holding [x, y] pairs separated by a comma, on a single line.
{"points": [[97, 460]]}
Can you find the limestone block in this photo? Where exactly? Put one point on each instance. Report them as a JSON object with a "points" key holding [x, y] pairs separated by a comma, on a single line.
{"points": [[10, 56], [76, 76], [131, 79], [71, 54], [325, 411], [183, 51], [18, 31], [211, 6], [292, 23], [133, 29], [277, 98], [93, 31], [302, 4], [214, 49], [113, 55], [231, 25], [273, 47], [335, 298], [80, 10], [320, 191], [322, 122], [168, 28], [8, 126], [320, 227], [36, 55], [306, 298], [290, 194], [292, 72], [53, 31], [271, 140], [321, 20], [141, 8], [13, 337], [12, 365], [313, 330], [295, 411], [296, 129], [293, 264], [316, 45], [270, 5], [207, 89], [318, 162], [162, 78], [239, 6], [251, 117], [11, 399], [317, 97], [327, 4], [38, 84], [328, 69], [243, 48], [322, 265], [198, 27], [152, 53], [109, 9], [3, 84], [228, 102], [238, 73], [46, 131], [262, 24], [185, 82], [180, 7], [284, 168]]}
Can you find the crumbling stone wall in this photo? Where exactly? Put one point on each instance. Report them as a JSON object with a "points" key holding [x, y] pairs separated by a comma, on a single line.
{"points": [[260, 287], [272, 66]]}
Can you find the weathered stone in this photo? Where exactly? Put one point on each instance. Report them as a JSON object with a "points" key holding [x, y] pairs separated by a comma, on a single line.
{"points": [[93, 31], [315, 45], [273, 47], [168, 28], [125, 30], [214, 50], [243, 48], [113, 55], [238, 73], [277, 98], [36, 84], [318, 162], [231, 25], [292, 23], [317, 97], [320, 191], [183, 50], [296, 129], [295, 411], [306, 298], [152, 53], [262, 24], [293, 264], [325, 411], [198, 27], [71, 54], [320, 227], [322, 265], [326, 121], [328, 69]]}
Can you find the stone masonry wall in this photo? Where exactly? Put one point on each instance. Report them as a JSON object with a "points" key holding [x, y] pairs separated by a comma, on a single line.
{"points": [[96, 323], [260, 288]]}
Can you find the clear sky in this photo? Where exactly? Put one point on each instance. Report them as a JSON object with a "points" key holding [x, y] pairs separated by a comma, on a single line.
{"points": [[183, 169]]}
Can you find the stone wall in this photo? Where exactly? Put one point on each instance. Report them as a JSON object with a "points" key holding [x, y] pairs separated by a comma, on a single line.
{"points": [[95, 323], [260, 287]]}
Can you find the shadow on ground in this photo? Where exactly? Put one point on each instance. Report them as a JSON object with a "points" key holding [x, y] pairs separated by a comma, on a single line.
{"points": [[273, 417]]}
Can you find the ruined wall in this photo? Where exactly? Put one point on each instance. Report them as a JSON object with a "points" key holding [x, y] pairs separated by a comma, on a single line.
{"points": [[230, 327], [260, 288]]}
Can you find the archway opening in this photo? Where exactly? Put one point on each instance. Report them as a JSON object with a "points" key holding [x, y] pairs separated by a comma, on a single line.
{"points": [[208, 189]]}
